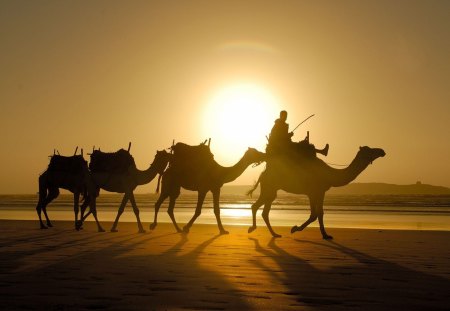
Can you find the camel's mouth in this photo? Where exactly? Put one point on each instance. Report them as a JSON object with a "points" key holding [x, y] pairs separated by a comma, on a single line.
{"points": [[381, 154]]}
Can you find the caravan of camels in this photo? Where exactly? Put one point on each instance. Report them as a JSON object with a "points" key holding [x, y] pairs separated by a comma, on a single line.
{"points": [[290, 166]]}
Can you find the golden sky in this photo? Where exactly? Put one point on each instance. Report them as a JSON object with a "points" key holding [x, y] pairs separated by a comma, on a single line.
{"points": [[103, 73]]}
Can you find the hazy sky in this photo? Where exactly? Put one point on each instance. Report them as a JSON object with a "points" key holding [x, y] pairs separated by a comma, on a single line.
{"points": [[103, 73]]}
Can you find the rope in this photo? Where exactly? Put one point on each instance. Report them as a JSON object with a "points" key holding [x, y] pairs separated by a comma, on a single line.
{"points": [[334, 164]]}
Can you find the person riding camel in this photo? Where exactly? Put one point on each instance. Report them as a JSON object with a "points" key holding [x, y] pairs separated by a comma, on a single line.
{"points": [[280, 139]]}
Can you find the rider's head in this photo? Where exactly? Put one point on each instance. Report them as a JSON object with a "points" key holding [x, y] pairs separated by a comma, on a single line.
{"points": [[283, 115]]}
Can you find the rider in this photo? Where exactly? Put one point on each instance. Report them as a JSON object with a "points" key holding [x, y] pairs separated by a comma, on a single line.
{"points": [[280, 137]]}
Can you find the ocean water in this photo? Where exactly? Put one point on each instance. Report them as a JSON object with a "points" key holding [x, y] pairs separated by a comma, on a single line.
{"points": [[412, 212]]}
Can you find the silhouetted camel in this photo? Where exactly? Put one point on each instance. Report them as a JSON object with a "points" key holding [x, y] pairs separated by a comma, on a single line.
{"points": [[70, 173], [312, 177], [204, 179], [126, 182]]}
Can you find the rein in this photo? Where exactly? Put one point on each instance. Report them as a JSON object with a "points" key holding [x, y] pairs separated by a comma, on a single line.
{"points": [[334, 164]]}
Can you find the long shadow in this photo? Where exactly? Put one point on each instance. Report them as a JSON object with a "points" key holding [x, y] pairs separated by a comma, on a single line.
{"points": [[16, 252], [129, 273], [371, 284]]}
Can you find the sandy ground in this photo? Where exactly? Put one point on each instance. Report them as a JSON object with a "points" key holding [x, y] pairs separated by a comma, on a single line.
{"points": [[62, 269]]}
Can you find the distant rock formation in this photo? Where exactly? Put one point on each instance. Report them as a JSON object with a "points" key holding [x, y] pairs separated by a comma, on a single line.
{"points": [[386, 189], [362, 189]]}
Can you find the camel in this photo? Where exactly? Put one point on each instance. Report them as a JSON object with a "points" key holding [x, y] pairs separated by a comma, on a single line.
{"points": [[70, 173], [209, 177], [125, 182], [312, 178]]}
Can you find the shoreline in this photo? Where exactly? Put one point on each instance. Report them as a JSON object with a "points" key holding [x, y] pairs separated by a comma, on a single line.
{"points": [[379, 219], [62, 269]]}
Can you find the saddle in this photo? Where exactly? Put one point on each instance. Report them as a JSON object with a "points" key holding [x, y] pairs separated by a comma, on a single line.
{"points": [[72, 164], [187, 157], [111, 162], [297, 151]]}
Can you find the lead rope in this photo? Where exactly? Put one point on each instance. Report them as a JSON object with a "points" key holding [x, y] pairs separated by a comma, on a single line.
{"points": [[334, 164]]}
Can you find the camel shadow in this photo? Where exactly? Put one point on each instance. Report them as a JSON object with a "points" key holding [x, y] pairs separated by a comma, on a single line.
{"points": [[370, 284], [128, 272]]}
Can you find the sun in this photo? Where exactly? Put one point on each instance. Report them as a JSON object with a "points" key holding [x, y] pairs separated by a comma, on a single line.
{"points": [[240, 116]]}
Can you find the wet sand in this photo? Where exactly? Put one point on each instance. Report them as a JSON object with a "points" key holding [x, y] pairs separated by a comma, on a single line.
{"points": [[62, 269]]}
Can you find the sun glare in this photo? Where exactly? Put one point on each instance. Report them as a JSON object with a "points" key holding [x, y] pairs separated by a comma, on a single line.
{"points": [[240, 116]]}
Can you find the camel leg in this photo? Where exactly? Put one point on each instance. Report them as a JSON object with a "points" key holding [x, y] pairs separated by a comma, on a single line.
{"points": [[216, 197], [313, 202], [158, 204], [85, 204], [136, 212], [265, 216], [93, 194], [76, 208], [52, 194], [79, 224], [325, 236], [93, 209], [255, 208], [42, 197], [120, 212], [311, 218], [173, 198], [198, 211], [267, 196], [322, 228], [83, 217]]}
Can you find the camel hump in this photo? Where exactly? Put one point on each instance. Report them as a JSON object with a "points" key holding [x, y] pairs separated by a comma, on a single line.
{"points": [[73, 164], [191, 155], [111, 162]]}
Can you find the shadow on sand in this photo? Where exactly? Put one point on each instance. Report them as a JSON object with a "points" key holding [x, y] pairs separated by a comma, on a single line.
{"points": [[123, 274], [370, 284], [69, 270]]}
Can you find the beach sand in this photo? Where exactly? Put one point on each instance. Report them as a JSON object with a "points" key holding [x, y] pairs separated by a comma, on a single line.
{"points": [[62, 269]]}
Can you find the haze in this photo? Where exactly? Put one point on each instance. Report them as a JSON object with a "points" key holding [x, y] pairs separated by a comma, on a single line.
{"points": [[104, 73]]}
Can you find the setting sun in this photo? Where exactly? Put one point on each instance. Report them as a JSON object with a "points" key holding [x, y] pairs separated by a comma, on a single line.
{"points": [[240, 116]]}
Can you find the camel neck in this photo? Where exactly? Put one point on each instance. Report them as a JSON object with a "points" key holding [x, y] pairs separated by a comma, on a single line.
{"points": [[233, 172], [146, 176], [342, 177]]}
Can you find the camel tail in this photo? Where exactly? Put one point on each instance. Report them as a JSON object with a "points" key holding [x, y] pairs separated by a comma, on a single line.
{"points": [[159, 182], [250, 192]]}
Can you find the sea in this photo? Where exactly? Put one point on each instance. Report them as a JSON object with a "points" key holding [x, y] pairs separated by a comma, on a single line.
{"points": [[401, 212]]}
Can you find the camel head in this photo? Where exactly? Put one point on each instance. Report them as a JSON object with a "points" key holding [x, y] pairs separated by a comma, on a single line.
{"points": [[370, 154], [254, 156], [161, 160]]}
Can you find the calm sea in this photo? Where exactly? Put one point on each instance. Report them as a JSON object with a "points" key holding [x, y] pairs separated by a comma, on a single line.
{"points": [[409, 212]]}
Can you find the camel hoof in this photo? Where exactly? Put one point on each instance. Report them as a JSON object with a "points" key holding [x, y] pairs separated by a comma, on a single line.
{"points": [[224, 232], [153, 226], [49, 225], [327, 237], [114, 230], [44, 227], [141, 231], [186, 229], [276, 235], [294, 229], [251, 229], [102, 230]]}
